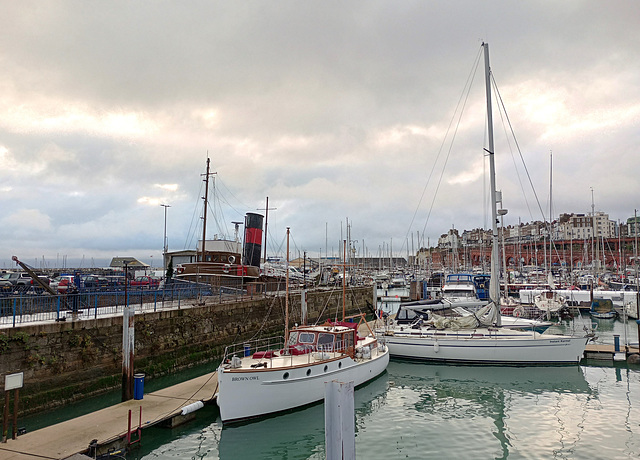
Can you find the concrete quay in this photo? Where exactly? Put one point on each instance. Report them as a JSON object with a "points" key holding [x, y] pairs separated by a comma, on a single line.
{"points": [[109, 426]]}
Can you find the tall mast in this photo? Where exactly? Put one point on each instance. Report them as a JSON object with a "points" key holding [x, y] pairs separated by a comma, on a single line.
{"points": [[551, 188], [204, 214], [286, 297], [635, 262], [494, 286], [344, 281]]}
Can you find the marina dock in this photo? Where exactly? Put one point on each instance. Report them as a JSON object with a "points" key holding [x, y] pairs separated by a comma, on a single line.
{"points": [[607, 352], [110, 426]]}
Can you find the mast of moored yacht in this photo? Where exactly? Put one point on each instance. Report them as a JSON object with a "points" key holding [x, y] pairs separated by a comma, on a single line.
{"points": [[344, 281], [494, 285], [206, 204], [635, 262], [286, 296], [204, 213]]}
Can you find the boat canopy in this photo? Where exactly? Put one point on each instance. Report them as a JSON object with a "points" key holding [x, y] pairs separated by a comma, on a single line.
{"points": [[424, 315]]}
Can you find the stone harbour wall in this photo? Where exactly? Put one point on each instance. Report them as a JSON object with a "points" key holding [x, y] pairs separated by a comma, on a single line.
{"points": [[71, 360]]}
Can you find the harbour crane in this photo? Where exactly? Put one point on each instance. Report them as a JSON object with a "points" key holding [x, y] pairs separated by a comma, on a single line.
{"points": [[34, 275]]}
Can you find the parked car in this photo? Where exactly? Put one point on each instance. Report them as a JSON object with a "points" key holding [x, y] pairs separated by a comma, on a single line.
{"points": [[62, 283], [18, 278], [150, 281], [115, 281], [5, 284], [95, 282], [23, 280]]}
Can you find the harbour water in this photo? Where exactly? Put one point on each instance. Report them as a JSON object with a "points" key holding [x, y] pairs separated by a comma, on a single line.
{"points": [[420, 411], [438, 411]]}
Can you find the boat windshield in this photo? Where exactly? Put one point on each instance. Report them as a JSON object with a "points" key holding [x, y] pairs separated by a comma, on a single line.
{"points": [[459, 293], [307, 337]]}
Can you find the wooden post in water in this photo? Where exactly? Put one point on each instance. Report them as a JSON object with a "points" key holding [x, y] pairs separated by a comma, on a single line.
{"points": [[339, 420], [5, 417], [16, 399]]}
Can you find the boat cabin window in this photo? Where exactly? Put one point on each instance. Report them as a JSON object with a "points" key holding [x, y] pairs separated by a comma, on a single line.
{"points": [[293, 338], [345, 340], [406, 314], [307, 337], [459, 293], [325, 341]]}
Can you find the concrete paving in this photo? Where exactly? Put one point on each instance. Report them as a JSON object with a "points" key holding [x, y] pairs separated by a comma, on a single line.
{"points": [[65, 439]]}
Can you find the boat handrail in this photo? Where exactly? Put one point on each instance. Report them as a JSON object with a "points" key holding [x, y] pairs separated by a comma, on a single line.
{"points": [[249, 347]]}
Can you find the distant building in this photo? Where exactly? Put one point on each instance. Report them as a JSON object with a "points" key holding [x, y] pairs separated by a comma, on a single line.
{"points": [[131, 262], [632, 227], [450, 240], [586, 226]]}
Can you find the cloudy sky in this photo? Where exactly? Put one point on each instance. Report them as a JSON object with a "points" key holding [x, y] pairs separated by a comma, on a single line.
{"points": [[335, 110]]}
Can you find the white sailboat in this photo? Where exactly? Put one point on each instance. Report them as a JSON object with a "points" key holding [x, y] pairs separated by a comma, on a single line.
{"points": [[550, 300], [480, 338], [272, 375]]}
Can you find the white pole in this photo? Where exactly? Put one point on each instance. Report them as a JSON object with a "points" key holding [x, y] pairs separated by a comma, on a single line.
{"points": [[494, 291], [164, 242], [339, 420]]}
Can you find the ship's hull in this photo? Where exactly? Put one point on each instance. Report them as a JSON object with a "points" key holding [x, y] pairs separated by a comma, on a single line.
{"points": [[248, 393], [486, 347]]}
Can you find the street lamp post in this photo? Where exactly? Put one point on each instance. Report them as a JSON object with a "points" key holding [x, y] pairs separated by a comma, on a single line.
{"points": [[164, 247]]}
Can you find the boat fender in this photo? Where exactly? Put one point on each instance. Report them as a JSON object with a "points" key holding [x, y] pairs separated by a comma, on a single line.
{"points": [[436, 346], [366, 353], [192, 407]]}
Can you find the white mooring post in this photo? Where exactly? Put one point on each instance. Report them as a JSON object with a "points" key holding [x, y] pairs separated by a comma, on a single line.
{"points": [[339, 420]]}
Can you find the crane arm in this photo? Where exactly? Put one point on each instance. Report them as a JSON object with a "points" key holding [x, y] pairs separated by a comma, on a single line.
{"points": [[35, 277]]}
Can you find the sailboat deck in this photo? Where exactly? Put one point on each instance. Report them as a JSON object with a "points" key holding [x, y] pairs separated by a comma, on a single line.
{"points": [[265, 354]]}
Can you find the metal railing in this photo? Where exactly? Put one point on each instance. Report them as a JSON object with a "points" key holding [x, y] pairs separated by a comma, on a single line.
{"points": [[22, 307], [270, 348]]}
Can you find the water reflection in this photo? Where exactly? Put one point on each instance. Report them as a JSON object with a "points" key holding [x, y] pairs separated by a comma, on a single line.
{"points": [[418, 410], [298, 434], [482, 406]]}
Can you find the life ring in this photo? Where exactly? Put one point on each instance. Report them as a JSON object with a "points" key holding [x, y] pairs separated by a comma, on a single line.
{"points": [[232, 259], [226, 268], [518, 311]]}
